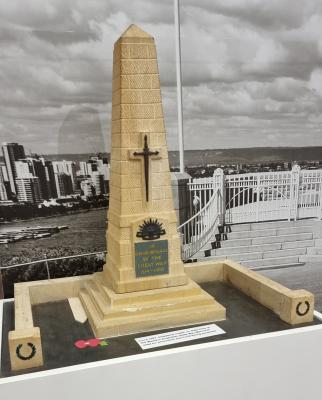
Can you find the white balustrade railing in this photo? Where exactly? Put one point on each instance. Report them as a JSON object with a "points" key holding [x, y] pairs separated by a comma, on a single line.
{"points": [[198, 230], [251, 197], [258, 197], [273, 196]]}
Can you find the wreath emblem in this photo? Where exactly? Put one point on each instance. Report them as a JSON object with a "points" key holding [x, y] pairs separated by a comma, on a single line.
{"points": [[31, 355], [302, 313], [150, 230]]}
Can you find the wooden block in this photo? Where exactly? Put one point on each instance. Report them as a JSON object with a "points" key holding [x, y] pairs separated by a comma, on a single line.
{"points": [[77, 309], [298, 307], [25, 349]]}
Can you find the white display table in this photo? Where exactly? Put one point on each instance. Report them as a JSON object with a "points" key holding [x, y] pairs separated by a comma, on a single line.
{"points": [[276, 366]]}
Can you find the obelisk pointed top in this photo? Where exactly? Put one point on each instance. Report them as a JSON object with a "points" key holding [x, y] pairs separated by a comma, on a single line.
{"points": [[135, 31]]}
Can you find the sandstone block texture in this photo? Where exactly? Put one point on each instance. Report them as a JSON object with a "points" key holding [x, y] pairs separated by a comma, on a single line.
{"points": [[137, 112]]}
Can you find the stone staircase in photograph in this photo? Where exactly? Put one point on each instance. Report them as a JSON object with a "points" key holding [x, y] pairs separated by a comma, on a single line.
{"points": [[264, 245], [314, 254]]}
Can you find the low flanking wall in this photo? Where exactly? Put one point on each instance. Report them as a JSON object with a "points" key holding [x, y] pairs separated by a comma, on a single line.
{"points": [[205, 271], [292, 306], [23, 311], [56, 289], [29, 293], [25, 341]]}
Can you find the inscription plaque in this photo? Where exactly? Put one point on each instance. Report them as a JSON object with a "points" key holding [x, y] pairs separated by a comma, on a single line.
{"points": [[151, 258]]}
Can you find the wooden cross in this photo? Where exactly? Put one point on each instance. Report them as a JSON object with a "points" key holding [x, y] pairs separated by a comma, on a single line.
{"points": [[146, 153]]}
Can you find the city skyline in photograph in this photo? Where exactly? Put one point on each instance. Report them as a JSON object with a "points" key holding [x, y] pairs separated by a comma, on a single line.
{"points": [[251, 72]]}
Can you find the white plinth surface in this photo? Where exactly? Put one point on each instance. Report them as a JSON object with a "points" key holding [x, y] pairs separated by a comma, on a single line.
{"points": [[277, 366]]}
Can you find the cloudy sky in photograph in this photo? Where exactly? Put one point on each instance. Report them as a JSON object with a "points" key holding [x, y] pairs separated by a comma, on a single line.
{"points": [[252, 71]]}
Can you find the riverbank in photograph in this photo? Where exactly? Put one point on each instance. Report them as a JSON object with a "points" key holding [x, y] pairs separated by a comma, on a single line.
{"points": [[85, 233]]}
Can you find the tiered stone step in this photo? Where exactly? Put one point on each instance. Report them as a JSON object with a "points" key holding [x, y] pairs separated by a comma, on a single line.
{"points": [[268, 232], [267, 244], [316, 251], [111, 314], [259, 256], [314, 254]]}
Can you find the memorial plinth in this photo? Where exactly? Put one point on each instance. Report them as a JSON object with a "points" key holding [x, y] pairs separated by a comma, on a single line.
{"points": [[143, 285]]}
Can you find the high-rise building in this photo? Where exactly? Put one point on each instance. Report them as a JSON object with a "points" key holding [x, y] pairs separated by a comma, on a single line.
{"points": [[97, 169], [33, 168], [66, 167], [51, 182], [12, 152], [87, 187], [28, 190], [4, 172], [6, 182], [98, 181], [39, 169], [64, 184], [85, 168], [23, 169], [3, 191]]}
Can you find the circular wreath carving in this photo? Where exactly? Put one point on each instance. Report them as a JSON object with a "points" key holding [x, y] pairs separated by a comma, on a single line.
{"points": [[298, 308], [32, 352]]}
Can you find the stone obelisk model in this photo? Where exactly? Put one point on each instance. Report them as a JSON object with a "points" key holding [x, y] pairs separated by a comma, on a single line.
{"points": [[143, 285], [140, 186]]}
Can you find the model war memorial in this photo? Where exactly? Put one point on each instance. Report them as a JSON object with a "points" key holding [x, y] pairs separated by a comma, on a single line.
{"points": [[144, 287]]}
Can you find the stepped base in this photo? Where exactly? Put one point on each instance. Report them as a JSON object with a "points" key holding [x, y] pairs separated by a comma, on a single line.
{"points": [[111, 314]]}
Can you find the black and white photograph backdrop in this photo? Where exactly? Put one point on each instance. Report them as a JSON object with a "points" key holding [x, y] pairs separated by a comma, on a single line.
{"points": [[251, 104]]}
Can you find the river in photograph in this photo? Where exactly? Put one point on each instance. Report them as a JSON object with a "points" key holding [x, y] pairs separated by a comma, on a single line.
{"points": [[84, 232]]}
